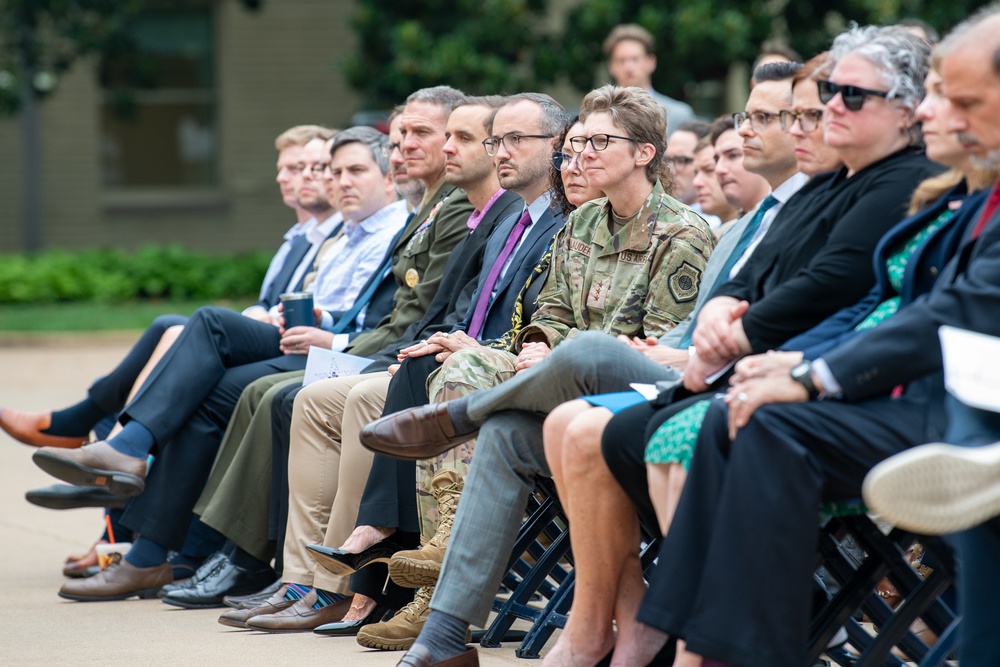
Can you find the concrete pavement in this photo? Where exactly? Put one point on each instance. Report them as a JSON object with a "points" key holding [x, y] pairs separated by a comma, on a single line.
{"points": [[39, 628]]}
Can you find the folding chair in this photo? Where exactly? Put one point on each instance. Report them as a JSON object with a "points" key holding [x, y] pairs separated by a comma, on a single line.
{"points": [[884, 557]]}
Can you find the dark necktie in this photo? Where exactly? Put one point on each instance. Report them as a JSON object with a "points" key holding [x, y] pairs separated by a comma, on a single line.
{"points": [[482, 305], [279, 285], [741, 246], [347, 320]]}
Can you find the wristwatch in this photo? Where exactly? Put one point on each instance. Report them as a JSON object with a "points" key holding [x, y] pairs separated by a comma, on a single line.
{"points": [[802, 373]]}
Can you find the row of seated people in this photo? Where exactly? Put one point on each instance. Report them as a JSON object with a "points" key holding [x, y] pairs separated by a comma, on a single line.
{"points": [[632, 287]]}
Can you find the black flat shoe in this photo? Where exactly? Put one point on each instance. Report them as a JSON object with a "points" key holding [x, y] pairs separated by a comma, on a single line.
{"points": [[342, 563], [350, 628]]}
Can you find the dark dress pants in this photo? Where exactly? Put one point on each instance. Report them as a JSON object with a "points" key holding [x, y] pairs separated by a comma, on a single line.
{"points": [[978, 550], [735, 570], [111, 391], [186, 403]]}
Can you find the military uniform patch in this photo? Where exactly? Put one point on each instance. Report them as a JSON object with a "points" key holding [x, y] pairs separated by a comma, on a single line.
{"points": [[683, 283], [633, 257], [580, 247]]}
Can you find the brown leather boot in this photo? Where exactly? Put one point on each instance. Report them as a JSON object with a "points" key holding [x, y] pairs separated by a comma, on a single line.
{"points": [[421, 567]]}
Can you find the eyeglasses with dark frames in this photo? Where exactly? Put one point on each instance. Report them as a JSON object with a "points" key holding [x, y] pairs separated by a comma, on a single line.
{"points": [[853, 97], [809, 119], [759, 120], [598, 141], [564, 161], [511, 141]]}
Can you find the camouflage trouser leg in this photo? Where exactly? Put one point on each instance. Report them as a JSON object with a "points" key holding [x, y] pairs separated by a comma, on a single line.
{"points": [[461, 374]]}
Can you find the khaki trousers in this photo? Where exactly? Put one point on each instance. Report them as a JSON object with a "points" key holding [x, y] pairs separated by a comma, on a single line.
{"points": [[327, 470]]}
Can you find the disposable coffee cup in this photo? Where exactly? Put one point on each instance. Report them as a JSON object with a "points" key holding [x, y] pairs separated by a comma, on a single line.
{"points": [[298, 309], [108, 554]]}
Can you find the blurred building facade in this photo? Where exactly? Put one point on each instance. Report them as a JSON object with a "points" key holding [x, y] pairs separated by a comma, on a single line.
{"points": [[176, 143]]}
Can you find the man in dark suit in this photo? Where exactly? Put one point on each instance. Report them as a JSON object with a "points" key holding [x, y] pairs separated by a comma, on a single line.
{"points": [[760, 471], [390, 497]]}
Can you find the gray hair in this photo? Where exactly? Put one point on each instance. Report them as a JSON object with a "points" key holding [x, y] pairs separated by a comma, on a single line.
{"points": [[553, 114], [957, 36], [370, 137], [900, 57], [445, 97]]}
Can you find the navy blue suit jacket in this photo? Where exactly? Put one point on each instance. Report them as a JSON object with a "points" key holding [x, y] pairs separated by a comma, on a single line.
{"points": [[905, 349], [922, 269], [498, 315]]}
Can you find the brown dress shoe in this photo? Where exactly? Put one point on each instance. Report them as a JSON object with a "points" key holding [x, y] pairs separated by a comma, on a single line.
{"points": [[415, 433], [237, 618], [420, 657], [27, 427], [300, 617], [119, 581], [96, 464]]}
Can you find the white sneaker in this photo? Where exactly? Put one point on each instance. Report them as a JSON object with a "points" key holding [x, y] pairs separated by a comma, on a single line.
{"points": [[936, 489]]}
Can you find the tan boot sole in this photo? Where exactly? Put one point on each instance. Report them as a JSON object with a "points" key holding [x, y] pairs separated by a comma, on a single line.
{"points": [[410, 573]]}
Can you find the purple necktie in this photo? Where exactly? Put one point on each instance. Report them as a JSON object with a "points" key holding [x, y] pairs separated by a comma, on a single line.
{"points": [[479, 314]]}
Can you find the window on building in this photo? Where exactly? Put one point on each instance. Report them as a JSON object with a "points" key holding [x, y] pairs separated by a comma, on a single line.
{"points": [[158, 111]]}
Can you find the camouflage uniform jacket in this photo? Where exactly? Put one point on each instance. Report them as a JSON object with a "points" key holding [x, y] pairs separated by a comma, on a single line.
{"points": [[641, 281]]}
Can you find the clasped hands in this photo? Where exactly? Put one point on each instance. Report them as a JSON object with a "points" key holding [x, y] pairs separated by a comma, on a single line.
{"points": [[761, 379]]}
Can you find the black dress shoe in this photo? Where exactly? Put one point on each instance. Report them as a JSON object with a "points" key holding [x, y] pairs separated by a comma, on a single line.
{"points": [[342, 563], [67, 497], [350, 628], [180, 584], [211, 584]]}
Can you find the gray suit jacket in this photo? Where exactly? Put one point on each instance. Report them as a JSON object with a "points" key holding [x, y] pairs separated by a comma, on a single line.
{"points": [[521, 267]]}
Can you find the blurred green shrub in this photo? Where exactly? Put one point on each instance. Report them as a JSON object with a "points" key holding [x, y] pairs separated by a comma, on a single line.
{"points": [[111, 275]]}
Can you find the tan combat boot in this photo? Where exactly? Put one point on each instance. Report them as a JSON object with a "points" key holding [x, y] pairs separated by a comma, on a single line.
{"points": [[400, 631], [421, 567]]}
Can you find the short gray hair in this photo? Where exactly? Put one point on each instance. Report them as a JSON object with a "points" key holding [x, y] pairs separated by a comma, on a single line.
{"points": [[554, 115], [445, 97], [370, 137], [958, 34], [900, 57]]}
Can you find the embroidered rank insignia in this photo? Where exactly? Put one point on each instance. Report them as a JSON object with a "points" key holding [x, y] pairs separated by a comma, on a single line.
{"points": [[598, 294], [683, 283]]}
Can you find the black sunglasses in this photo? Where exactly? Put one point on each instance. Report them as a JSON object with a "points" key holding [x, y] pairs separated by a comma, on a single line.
{"points": [[852, 96]]}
